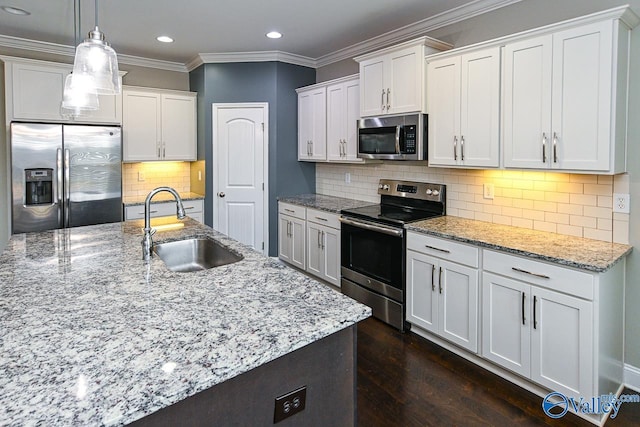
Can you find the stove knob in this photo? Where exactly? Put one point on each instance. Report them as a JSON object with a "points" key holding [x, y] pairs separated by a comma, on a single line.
{"points": [[429, 191], [380, 186], [435, 192], [385, 187]]}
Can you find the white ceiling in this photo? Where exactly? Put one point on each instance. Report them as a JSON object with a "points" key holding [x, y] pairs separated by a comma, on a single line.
{"points": [[314, 29]]}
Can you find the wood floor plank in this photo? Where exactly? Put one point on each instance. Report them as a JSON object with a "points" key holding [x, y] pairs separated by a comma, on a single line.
{"points": [[405, 380]]}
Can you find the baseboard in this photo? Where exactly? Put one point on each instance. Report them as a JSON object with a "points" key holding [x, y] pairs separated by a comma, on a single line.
{"points": [[632, 377]]}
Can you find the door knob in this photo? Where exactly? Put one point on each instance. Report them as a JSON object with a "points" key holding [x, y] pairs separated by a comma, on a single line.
{"points": [[221, 194]]}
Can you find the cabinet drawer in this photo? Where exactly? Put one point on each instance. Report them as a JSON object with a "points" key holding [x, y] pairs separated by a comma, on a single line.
{"points": [[191, 206], [442, 248], [540, 273], [324, 218], [162, 209], [292, 210]]}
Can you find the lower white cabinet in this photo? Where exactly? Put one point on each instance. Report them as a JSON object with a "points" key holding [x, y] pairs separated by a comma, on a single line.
{"points": [[442, 289], [193, 208], [541, 334], [323, 245], [291, 234]]}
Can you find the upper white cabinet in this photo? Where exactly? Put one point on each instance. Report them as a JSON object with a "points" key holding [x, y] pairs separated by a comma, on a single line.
{"points": [[392, 79], [312, 123], [158, 125], [565, 97], [463, 103], [343, 112], [34, 92]]}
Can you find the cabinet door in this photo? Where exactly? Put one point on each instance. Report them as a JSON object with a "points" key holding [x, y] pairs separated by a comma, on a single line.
{"points": [[331, 255], [141, 126], [581, 105], [458, 309], [404, 82], [422, 291], [526, 106], [562, 343], [315, 254], [110, 111], [372, 88], [312, 123], [506, 322], [336, 121], [37, 91], [352, 115], [178, 127], [480, 108], [284, 238], [443, 106], [298, 242], [305, 125]]}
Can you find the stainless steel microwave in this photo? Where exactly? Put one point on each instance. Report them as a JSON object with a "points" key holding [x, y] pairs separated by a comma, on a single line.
{"points": [[393, 137]]}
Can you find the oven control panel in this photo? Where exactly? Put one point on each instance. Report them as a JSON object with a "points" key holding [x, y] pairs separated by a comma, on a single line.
{"points": [[414, 190]]}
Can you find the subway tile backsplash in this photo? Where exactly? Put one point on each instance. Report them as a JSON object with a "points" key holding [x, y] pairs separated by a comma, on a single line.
{"points": [[138, 179], [571, 204]]}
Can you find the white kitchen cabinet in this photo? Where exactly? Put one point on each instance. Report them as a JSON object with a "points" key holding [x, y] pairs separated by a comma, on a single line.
{"points": [[34, 91], [323, 245], [312, 124], [158, 125], [392, 79], [291, 234], [565, 98], [193, 208], [463, 105], [442, 289], [343, 112]]}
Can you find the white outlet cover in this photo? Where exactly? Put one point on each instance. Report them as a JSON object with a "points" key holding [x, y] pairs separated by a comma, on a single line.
{"points": [[488, 190], [621, 202]]}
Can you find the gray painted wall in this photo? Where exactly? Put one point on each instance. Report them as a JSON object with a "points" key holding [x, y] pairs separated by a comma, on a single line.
{"points": [[271, 82]]}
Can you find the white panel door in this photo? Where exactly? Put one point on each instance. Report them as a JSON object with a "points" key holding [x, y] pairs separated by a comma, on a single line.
{"points": [[336, 121], [562, 343], [315, 254], [319, 124], [422, 291], [352, 114], [480, 108], [37, 92], [443, 107], [178, 127], [284, 238], [372, 90], [141, 127], [506, 323], [582, 76], [526, 106], [298, 248], [458, 310], [404, 81], [331, 254], [240, 153]]}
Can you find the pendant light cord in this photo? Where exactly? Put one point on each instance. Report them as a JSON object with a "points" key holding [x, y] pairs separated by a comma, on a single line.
{"points": [[96, 12]]}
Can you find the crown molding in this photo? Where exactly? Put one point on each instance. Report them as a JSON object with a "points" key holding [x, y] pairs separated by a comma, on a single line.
{"points": [[416, 29], [64, 50], [266, 56]]}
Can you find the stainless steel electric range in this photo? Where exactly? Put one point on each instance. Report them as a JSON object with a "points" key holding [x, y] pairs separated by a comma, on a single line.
{"points": [[373, 245]]}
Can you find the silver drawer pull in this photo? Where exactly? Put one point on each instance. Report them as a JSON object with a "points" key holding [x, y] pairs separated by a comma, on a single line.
{"points": [[437, 249], [542, 276], [290, 210], [142, 213], [189, 207], [322, 219]]}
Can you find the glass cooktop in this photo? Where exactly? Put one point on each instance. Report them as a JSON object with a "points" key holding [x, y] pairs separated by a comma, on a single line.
{"points": [[390, 214]]}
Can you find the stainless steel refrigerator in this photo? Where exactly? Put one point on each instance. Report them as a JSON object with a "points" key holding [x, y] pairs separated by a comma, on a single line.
{"points": [[65, 175]]}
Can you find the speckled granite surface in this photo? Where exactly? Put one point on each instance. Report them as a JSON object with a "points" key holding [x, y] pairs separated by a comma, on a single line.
{"points": [[160, 197], [90, 335], [587, 254], [324, 203]]}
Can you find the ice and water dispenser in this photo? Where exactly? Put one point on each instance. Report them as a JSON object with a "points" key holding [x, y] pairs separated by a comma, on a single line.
{"points": [[38, 186]]}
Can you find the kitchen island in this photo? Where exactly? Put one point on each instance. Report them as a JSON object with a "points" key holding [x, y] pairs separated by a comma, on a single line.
{"points": [[91, 335]]}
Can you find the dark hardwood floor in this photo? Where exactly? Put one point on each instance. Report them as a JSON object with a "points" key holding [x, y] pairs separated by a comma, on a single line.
{"points": [[405, 380]]}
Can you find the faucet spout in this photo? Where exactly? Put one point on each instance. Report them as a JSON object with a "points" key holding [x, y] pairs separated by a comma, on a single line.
{"points": [[147, 240]]}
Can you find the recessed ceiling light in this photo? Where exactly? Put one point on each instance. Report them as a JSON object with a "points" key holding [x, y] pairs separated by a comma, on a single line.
{"points": [[164, 39], [15, 11], [274, 35]]}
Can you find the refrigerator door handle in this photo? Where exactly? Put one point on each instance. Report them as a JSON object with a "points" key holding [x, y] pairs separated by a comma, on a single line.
{"points": [[59, 184], [67, 189]]}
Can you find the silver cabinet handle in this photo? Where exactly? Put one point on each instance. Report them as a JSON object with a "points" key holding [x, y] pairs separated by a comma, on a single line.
{"points": [[555, 148], [523, 308], [462, 148], [438, 249], [319, 239], [189, 207], [388, 104], [323, 240], [142, 213], [455, 148], [542, 276], [322, 219], [288, 231], [535, 320], [382, 101], [433, 282], [544, 147], [289, 210], [159, 145], [164, 150], [440, 280], [311, 149]]}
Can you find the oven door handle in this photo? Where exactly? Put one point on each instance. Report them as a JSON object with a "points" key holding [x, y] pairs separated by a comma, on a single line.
{"points": [[372, 226]]}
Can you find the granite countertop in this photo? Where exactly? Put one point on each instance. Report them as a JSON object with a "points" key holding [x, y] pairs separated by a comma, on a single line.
{"points": [[91, 335], [577, 252], [160, 197], [324, 203]]}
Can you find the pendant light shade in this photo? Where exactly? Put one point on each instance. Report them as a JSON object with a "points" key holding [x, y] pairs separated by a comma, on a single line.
{"points": [[96, 62], [79, 97]]}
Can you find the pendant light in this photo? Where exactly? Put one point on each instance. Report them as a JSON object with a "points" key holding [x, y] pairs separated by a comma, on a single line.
{"points": [[79, 96], [96, 63]]}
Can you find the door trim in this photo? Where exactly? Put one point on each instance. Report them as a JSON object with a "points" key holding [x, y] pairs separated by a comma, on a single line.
{"points": [[215, 107]]}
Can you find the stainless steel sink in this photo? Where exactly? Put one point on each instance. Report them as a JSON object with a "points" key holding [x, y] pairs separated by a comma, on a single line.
{"points": [[194, 254]]}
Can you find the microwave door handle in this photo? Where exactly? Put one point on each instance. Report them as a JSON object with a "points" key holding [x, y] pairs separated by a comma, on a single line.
{"points": [[398, 128]]}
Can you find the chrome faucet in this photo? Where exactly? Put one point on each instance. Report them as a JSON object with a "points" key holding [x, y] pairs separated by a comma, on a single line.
{"points": [[147, 241]]}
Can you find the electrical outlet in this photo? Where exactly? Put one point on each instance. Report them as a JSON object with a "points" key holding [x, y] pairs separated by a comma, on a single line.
{"points": [[489, 190], [290, 404], [347, 178], [621, 202], [140, 176]]}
